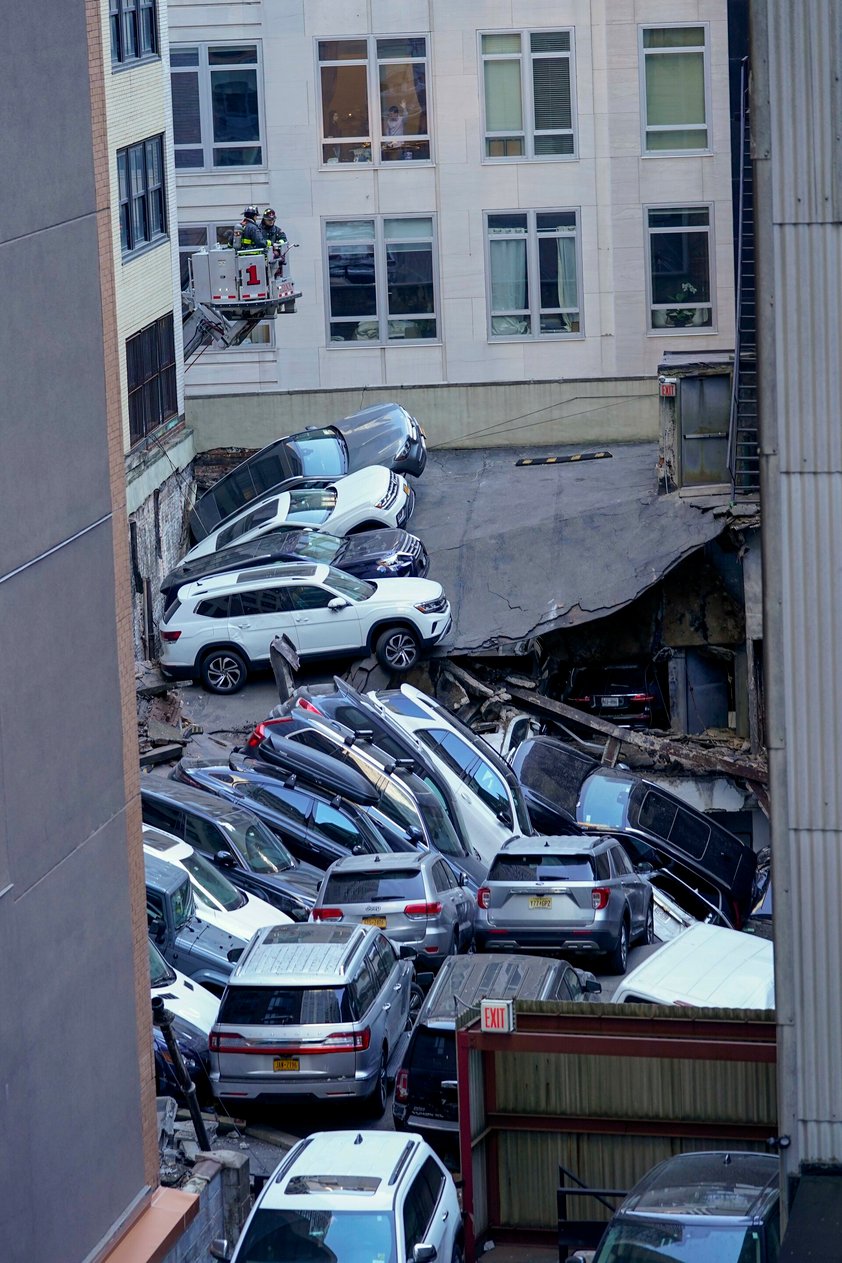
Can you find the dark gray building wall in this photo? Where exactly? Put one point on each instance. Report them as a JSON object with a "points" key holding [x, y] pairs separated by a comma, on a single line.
{"points": [[71, 1091]]}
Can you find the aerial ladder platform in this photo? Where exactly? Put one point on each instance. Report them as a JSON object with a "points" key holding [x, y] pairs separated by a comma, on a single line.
{"points": [[229, 293]]}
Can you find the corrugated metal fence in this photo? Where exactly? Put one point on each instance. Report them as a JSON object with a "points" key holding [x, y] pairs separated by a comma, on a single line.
{"points": [[606, 1091]]}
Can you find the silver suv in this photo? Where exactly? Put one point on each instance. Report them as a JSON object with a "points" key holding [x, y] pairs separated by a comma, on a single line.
{"points": [[565, 894], [311, 1011], [416, 900]]}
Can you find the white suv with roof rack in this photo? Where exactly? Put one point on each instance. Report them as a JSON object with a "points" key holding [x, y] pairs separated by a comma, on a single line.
{"points": [[217, 629], [351, 1196]]}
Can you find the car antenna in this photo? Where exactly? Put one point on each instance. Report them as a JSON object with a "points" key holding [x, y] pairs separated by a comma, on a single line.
{"points": [[359, 1138]]}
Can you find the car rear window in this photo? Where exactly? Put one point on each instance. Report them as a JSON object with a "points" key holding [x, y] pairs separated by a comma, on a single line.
{"points": [[557, 779], [285, 1006], [513, 867], [397, 883], [434, 1053]]}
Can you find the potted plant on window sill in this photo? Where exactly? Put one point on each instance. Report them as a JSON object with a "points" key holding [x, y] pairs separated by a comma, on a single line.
{"points": [[680, 317]]}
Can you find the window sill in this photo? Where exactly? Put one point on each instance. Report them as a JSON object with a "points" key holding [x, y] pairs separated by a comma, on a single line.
{"points": [[354, 344], [147, 248], [678, 153], [149, 59], [149, 448], [195, 177], [523, 158], [493, 339]]}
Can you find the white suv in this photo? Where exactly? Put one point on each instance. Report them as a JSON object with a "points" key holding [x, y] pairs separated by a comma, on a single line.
{"points": [[218, 628], [349, 1196]]}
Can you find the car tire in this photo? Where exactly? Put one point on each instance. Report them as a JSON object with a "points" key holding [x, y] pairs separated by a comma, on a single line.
{"points": [[648, 935], [618, 959], [223, 671], [416, 999], [397, 649], [377, 1101]]}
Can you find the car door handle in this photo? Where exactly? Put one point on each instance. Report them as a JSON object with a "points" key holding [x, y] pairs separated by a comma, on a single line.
{"points": [[445, 1216], [300, 618], [244, 626], [386, 1007], [398, 986]]}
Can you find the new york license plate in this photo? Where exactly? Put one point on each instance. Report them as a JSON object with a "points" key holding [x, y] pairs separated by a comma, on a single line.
{"points": [[380, 922], [285, 1063]]}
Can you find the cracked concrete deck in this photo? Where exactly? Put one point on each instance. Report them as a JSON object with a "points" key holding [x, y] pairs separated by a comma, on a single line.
{"points": [[526, 550]]}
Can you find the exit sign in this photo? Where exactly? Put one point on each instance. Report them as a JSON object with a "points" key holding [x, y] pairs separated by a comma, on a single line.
{"points": [[497, 1016]]}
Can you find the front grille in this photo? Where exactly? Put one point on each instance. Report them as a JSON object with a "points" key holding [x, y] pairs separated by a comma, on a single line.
{"points": [[392, 494]]}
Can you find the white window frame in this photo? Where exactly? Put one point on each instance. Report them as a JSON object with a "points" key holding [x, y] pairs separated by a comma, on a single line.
{"points": [[375, 139], [689, 330], [207, 143], [210, 229], [643, 53], [525, 58], [381, 285], [533, 235]]}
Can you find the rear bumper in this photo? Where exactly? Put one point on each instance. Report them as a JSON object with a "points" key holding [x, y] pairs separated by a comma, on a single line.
{"points": [[267, 1088], [406, 1120], [177, 673], [553, 940]]}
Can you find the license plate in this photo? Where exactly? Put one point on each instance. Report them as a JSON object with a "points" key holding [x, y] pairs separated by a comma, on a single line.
{"points": [[540, 901], [609, 702], [285, 1063], [380, 922]]}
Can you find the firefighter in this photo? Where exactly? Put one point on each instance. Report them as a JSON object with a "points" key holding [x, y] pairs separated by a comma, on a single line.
{"points": [[276, 236], [250, 235]]}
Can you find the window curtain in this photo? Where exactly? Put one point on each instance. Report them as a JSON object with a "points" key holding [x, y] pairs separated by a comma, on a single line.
{"points": [[508, 276], [568, 297]]}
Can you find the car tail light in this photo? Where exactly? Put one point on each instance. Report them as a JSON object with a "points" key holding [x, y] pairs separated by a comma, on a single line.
{"points": [[483, 896], [641, 697], [223, 1041], [422, 910], [327, 914], [303, 704], [261, 731], [402, 1085], [348, 1041], [599, 897], [170, 635], [586, 700]]}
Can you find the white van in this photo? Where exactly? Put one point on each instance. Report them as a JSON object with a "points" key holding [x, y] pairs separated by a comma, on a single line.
{"points": [[707, 966]]}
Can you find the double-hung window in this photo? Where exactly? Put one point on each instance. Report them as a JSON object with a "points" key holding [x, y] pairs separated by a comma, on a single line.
{"points": [[381, 279], [533, 272], [134, 31], [680, 254], [140, 183], [374, 99], [528, 96], [151, 377], [674, 89], [217, 107], [193, 237]]}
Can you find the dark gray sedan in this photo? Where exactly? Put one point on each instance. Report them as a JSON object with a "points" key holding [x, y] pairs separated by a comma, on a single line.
{"points": [[564, 894]]}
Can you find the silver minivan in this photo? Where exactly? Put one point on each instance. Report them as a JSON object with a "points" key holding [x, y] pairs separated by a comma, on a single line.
{"points": [[417, 900], [311, 1011]]}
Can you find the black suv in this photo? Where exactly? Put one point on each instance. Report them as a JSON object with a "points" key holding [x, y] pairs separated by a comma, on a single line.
{"points": [[426, 1088], [236, 840]]}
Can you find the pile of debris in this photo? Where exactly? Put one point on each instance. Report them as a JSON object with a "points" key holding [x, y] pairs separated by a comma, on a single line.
{"points": [[162, 729]]}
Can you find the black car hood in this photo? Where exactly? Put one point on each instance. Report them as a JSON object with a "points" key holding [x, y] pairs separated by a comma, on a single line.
{"points": [[273, 546], [303, 880], [372, 545], [474, 869]]}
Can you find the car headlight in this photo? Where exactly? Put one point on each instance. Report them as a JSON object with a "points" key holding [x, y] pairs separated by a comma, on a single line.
{"points": [[438, 606], [404, 449]]}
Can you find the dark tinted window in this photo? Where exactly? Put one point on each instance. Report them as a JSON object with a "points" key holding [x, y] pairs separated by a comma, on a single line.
{"points": [[602, 865], [355, 719], [455, 752], [263, 513], [434, 1052], [443, 877], [548, 772], [568, 986], [621, 861], [265, 601], [365, 988], [289, 804], [690, 833], [513, 867], [163, 815], [603, 801], [307, 598], [214, 607], [491, 788], [379, 968], [420, 1204], [204, 836], [386, 953], [657, 814], [334, 825], [397, 883], [285, 1006]]}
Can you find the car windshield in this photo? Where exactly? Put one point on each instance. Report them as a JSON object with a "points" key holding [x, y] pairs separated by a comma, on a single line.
{"points": [[210, 887], [603, 802], [318, 546], [263, 851], [160, 972], [183, 904], [318, 1236], [663, 1241], [347, 585], [311, 506], [321, 453]]}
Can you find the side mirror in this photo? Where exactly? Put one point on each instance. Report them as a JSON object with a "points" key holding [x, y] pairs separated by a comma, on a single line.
{"points": [[425, 980], [643, 868], [461, 880], [424, 1253], [224, 858], [234, 954], [407, 952], [592, 986], [157, 929], [220, 1249], [337, 603]]}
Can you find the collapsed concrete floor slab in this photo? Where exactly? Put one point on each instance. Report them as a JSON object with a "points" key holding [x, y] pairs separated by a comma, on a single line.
{"points": [[526, 550]]}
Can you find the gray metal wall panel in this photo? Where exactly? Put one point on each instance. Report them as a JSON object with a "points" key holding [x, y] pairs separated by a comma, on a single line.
{"points": [[804, 58], [809, 267]]}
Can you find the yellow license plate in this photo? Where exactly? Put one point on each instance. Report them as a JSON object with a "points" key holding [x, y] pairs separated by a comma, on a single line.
{"points": [[285, 1063], [380, 922], [541, 901]]}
